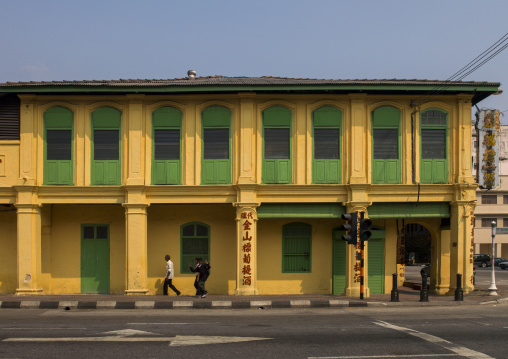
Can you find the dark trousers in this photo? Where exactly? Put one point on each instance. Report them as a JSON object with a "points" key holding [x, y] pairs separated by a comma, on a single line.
{"points": [[169, 283], [196, 285]]}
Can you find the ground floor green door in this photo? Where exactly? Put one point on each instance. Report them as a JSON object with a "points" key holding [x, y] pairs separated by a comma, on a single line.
{"points": [[376, 265], [94, 258], [339, 263]]}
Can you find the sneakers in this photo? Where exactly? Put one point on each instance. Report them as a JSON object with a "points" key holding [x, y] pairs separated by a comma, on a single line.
{"points": [[204, 295], [178, 293]]}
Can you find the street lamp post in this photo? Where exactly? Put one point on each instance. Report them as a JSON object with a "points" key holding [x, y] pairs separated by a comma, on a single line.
{"points": [[493, 289]]}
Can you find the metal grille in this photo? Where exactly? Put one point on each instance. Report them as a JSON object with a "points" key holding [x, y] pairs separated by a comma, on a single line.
{"points": [[9, 117]]}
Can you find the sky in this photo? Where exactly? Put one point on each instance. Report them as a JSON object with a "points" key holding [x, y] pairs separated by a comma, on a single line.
{"points": [[55, 40]]}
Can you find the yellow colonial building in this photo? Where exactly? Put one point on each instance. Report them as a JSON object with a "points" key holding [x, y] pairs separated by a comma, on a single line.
{"points": [[100, 179]]}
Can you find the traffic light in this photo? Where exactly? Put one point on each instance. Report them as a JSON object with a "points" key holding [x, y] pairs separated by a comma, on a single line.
{"points": [[350, 228], [365, 232]]}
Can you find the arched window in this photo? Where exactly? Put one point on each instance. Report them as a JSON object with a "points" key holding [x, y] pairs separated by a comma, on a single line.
{"points": [[277, 145], [195, 243], [433, 146], [326, 164], [296, 248], [216, 146], [166, 146], [58, 146], [106, 164], [386, 145]]}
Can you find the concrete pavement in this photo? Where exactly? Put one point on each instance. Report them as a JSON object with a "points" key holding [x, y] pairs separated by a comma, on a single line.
{"points": [[407, 297]]}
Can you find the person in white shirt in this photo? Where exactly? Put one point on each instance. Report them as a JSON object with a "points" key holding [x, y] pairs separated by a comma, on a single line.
{"points": [[170, 274]]}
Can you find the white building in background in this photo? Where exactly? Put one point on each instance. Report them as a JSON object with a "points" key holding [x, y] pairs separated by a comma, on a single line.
{"points": [[492, 205]]}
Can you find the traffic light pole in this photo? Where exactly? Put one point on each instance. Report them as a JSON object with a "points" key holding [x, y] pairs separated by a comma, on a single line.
{"points": [[362, 256]]}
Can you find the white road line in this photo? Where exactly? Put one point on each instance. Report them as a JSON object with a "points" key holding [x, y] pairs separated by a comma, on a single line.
{"points": [[468, 353], [387, 356], [44, 328], [159, 323]]}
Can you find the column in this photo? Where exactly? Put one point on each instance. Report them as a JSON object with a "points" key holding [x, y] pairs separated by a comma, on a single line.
{"points": [[136, 140], [136, 239], [246, 268], [462, 245], [352, 258], [28, 241], [463, 167], [442, 285]]}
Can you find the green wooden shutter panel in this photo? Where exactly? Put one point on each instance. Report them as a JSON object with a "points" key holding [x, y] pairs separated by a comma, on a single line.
{"points": [[95, 261], [195, 243], [166, 146], [58, 146], [296, 247], [277, 159], [106, 171], [376, 265], [216, 146], [386, 167], [433, 146]]}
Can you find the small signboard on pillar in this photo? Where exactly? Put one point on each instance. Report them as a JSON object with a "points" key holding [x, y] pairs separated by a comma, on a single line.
{"points": [[488, 127]]}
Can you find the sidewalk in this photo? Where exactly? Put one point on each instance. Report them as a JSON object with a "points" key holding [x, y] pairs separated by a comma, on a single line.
{"points": [[407, 297]]}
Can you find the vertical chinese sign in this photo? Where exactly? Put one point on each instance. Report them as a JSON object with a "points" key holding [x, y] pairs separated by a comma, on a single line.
{"points": [[247, 251], [488, 127]]}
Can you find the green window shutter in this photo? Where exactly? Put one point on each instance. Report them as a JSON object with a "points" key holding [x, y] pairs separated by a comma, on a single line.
{"points": [[106, 147], [376, 272], [95, 258], [434, 146], [58, 146], [195, 243], [216, 146], [339, 263], [296, 248], [277, 159], [326, 163], [166, 146], [386, 164]]}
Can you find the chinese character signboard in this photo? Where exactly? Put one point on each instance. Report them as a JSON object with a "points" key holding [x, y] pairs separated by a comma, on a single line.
{"points": [[488, 148], [246, 223]]}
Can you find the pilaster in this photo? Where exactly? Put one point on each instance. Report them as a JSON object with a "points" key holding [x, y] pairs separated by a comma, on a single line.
{"points": [[27, 148], [135, 140], [247, 136], [464, 141], [357, 154]]}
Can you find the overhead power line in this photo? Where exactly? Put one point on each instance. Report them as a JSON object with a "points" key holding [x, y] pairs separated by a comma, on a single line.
{"points": [[472, 66]]}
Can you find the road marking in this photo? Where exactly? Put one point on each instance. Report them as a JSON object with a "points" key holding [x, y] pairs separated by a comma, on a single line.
{"points": [[387, 356], [159, 323], [44, 328], [468, 353], [174, 341], [129, 332]]}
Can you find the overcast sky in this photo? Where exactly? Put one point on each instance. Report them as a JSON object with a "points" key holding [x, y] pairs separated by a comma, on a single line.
{"points": [[46, 40]]}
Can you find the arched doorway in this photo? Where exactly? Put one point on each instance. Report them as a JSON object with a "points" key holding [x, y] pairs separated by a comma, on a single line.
{"points": [[418, 240]]}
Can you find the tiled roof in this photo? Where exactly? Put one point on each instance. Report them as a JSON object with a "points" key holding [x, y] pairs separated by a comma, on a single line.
{"points": [[243, 81]]}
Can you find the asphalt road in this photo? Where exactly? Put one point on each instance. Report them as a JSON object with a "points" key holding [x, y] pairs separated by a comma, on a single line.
{"points": [[430, 332], [483, 275]]}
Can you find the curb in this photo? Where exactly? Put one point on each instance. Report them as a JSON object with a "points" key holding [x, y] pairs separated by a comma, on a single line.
{"points": [[224, 304]]}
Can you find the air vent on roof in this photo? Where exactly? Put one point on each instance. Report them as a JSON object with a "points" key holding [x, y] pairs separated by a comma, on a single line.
{"points": [[191, 74]]}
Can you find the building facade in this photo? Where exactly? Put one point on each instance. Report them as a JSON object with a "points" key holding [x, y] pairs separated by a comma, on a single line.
{"points": [[100, 179], [492, 205]]}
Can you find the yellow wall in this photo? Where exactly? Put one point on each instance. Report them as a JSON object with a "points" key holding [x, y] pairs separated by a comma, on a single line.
{"points": [[164, 222], [8, 255]]}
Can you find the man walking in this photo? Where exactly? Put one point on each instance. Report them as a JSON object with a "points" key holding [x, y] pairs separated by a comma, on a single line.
{"points": [[203, 274], [168, 280]]}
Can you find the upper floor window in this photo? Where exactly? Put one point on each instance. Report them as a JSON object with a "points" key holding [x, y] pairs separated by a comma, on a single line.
{"points": [[489, 199], [277, 167], [296, 248], [487, 222], [326, 164], [386, 166], [216, 146], [9, 117], [166, 165], [195, 243], [505, 222], [106, 164], [505, 199], [433, 146], [58, 149]]}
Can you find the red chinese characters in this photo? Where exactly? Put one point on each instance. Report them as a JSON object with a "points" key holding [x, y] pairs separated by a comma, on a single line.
{"points": [[246, 247]]}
